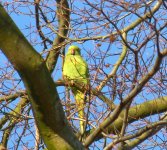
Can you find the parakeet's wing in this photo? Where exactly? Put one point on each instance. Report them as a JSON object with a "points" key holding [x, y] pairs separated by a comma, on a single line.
{"points": [[76, 68]]}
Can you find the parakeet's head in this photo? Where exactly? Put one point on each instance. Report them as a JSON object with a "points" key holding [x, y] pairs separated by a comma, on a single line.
{"points": [[73, 50]]}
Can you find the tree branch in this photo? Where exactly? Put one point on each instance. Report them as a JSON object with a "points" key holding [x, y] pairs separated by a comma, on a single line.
{"points": [[117, 64], [125, 101], [93, 91], [40, 87], [158, 105], [63, 14], [149, 128], [12, 96]]}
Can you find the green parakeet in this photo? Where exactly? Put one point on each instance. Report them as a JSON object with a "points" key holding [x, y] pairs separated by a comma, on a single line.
{"points": [[76, 69]]}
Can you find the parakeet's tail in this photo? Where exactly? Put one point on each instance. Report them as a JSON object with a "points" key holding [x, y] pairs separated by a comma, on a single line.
{"points": [[80, 104]]}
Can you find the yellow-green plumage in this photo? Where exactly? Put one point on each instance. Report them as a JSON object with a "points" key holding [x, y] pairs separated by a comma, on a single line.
{"points": [[75, 68]]}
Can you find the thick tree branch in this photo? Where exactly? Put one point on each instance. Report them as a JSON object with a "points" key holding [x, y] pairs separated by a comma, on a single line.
{"points": [[45, 101], [158, 105]]}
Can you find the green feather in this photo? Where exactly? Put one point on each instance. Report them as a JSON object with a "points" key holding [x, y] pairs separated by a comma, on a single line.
{"points": [[75, 68]]}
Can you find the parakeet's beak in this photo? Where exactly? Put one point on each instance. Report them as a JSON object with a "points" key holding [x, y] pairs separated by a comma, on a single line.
{"points": [[72, 52]]}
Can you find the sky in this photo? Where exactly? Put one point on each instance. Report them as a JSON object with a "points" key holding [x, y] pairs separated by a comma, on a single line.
{"points": [[25, 20]]}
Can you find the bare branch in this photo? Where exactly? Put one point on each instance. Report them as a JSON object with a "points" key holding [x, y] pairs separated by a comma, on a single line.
{"points": [[139, 133], [126, 100], [63, 15]]}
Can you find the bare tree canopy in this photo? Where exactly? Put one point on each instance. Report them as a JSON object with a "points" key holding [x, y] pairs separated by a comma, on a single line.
{"points": [[124, 44]]}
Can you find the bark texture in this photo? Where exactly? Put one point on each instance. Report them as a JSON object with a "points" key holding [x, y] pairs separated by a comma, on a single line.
{"points": [[41, 90]]}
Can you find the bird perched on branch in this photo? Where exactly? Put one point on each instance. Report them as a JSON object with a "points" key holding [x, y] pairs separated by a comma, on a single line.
{"points": [[76, 69]]}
